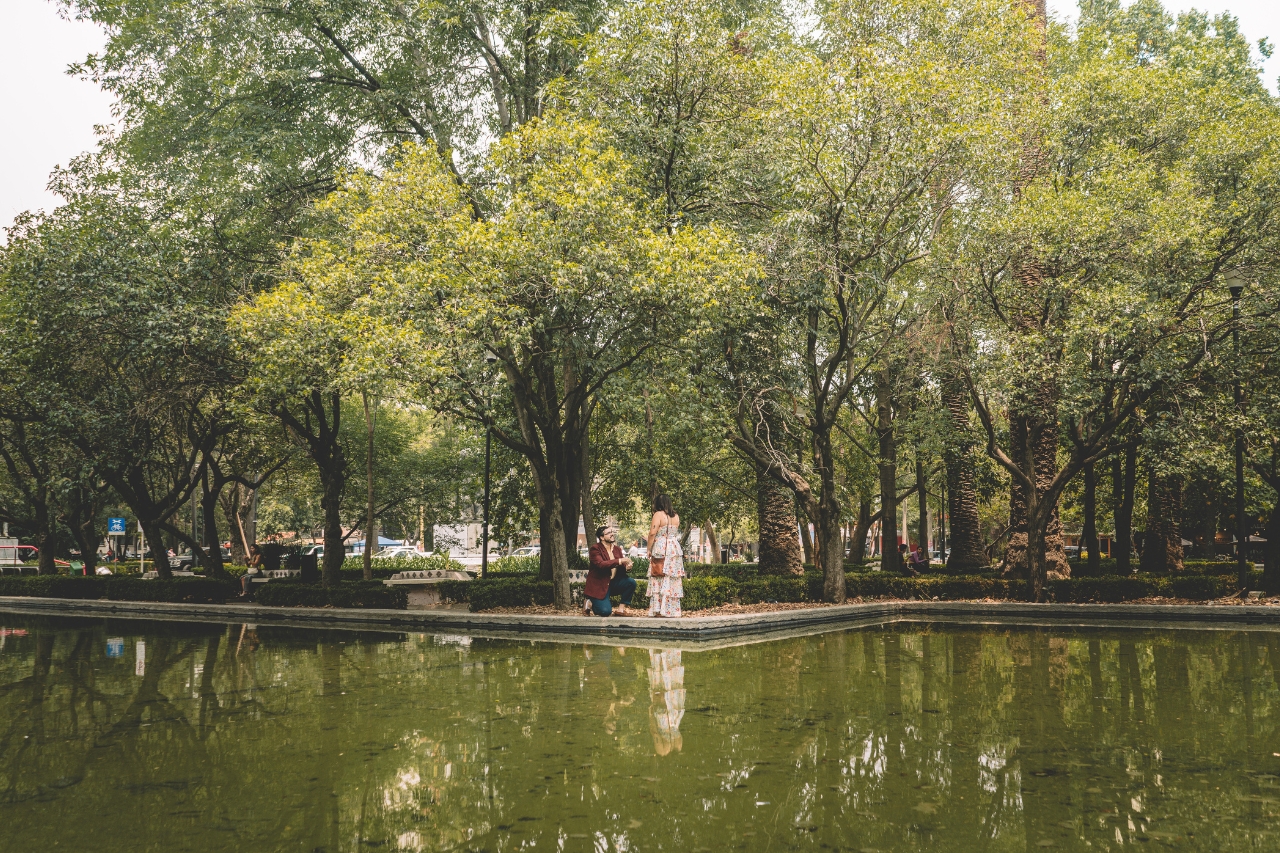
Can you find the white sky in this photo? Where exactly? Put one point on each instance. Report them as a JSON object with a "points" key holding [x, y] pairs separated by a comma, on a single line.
{"points": [[50, 117]]}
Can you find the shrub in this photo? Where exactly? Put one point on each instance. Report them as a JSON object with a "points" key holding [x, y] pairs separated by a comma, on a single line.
{"points": [[1106, 566], [705, 592], [1106, 589], [942, 587], [515, 566], [764, 589], [1197, 587], [735, 571], [192, 590], [1209, 567], [519, 591], [456, 591], [353, 567], [346, 594]]}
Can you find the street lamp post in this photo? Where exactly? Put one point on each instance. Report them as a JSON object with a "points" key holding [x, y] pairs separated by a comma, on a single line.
{"points": [[1236, 285], [489, 359]]}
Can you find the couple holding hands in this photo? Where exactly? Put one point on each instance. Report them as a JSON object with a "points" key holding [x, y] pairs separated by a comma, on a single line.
{"points": [[608, 573]]}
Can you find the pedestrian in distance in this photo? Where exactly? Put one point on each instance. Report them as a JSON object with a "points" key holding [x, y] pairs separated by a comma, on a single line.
{"points": [[255, 568]]}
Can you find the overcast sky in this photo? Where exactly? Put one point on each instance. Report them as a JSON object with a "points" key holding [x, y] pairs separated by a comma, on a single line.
{"points": [[50, 117]]}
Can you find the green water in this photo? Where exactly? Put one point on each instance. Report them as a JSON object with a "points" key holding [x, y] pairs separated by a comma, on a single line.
{"points": [[129, 736]]}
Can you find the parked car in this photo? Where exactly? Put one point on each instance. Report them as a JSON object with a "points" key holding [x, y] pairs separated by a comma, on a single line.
{"points": [[527, 551], [398, 552], [190, 561], [638, 552]]}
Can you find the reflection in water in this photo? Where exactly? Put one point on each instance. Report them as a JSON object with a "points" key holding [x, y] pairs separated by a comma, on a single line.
{"points": [[666, 695], [949, 739]]}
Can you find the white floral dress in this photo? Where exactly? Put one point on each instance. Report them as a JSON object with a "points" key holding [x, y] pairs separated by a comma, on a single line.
{"points": [[665, 592]]}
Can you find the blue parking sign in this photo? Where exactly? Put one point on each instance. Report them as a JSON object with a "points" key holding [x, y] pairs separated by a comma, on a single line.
{"points": [[116, 525]]}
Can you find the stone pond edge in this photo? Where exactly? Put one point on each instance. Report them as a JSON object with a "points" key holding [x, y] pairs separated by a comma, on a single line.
{"points": [[743, 626]]}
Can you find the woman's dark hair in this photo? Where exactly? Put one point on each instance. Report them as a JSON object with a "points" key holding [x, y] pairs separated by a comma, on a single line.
{"points": [[662, 503], [600, 531]]}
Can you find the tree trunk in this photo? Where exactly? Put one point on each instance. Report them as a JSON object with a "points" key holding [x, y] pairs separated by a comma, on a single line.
{"points": [[806, 540], [209, 499], [319, 432], [240, 533], [87, 542], [45, 539], [942, 518], [545, 570], [568, 463], [965, 535], [1126, 476], [713, 542], [887, 464], [587, 481], [1038, 516], [1038, 438], [370, 523], [830, 520], [1162, 544], [776, 518], [555, 541], [1271, 556], [923, 493], [332, 480], [1090, 532], [858, 542], [84, 505], [160, 560]]}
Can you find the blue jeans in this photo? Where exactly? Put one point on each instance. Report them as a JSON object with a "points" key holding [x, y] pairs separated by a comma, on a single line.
{"points": [[624, 587]]}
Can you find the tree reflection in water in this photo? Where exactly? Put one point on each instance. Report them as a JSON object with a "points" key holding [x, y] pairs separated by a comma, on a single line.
{"points": [[945, 738]]}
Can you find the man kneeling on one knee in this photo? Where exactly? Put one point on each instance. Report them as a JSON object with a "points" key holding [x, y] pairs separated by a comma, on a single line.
{"points": [[607, 576]]}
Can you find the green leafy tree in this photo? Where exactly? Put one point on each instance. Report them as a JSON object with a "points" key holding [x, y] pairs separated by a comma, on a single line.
{"points": [[567, 285], [1139, 214]]}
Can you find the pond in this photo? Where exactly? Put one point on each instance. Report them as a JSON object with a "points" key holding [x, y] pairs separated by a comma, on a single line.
{"points": [[123, 735]]}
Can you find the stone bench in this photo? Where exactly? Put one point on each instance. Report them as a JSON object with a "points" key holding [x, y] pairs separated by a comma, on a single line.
{"points": [[423, 586], [274, 575], [177, 573]]}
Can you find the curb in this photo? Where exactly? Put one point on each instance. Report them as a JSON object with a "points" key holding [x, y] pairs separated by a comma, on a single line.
{"points": [[748, 627]]}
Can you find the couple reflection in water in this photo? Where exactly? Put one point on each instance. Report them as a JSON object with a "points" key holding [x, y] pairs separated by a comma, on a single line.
{"points": [[606, 669], [666, 699]]}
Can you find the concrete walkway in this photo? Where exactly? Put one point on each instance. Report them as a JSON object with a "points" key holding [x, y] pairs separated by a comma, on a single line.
{"points": [[690, 632]]}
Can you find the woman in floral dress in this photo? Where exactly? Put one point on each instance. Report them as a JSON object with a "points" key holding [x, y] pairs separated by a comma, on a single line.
{"points": [[666, 560]]}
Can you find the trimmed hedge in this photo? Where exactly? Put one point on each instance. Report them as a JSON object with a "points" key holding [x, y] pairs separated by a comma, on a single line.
{"points": [[488, 593], [703, 592], [1199, 566], [193, 590], [346, 594]]}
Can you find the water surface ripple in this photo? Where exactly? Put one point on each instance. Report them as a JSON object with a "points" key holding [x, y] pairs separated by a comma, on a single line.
{"points": [[120, 735]]}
